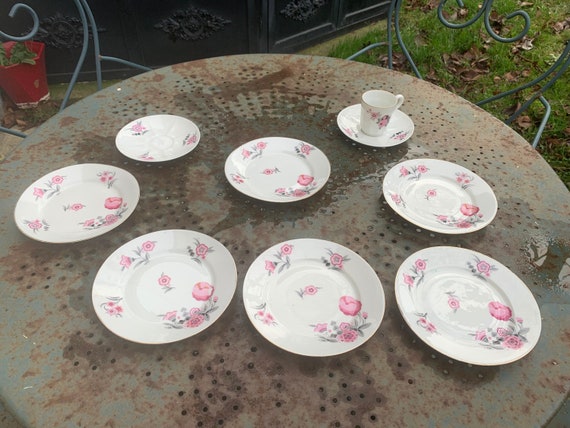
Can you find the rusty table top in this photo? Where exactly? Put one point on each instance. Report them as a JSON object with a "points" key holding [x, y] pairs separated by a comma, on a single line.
{"points": [[59, 366]]}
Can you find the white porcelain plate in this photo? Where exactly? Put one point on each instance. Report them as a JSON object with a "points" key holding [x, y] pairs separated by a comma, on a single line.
{"points": [[440, 196], [467, 306], [277, 169], [158, 138], [399, 130], [76, 203], [313, 297], [164, 286]]}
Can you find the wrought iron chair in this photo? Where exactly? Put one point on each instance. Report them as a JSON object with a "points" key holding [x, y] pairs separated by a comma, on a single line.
{"points": [[546, 79], [88, 21]]}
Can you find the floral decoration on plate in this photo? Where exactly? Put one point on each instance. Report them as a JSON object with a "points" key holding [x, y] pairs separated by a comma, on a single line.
{"points": [[440, 196], [76, 203], [277, 169], [399, 129], [467, 306], [313, 297], [164, 286], [158, 138]]}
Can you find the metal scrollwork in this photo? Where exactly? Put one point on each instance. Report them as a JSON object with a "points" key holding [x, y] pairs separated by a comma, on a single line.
{"points": [[34, 29], [486, 10], [302, 10], [191, 24], [61, 31]]}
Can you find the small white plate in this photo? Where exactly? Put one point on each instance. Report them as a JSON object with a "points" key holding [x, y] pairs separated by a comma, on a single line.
{"points": [[277, 169], [467, 306], [76, 203], [399, 130], [440, 196], [313, 297], [164, 286], [158, 138]]}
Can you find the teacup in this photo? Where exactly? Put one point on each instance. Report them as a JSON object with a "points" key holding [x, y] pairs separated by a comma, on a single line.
{"points": [[377, 107]]}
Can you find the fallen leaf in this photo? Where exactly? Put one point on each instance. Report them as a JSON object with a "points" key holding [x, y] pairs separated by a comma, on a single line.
{"points": [[526, 4], [524, 121]]}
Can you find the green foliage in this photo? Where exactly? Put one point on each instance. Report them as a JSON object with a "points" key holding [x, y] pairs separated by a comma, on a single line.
{"points": [[475, 66], [20, 54]]}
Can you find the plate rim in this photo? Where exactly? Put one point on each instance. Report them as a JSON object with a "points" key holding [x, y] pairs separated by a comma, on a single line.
{"points": [[231, 273], [228, 163], [343, 113], [448, 231], [96, 232], [181, 154], [380, 309], [521, 287]]}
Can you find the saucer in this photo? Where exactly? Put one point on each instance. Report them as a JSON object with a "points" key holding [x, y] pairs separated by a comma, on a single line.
{"points": [[399, 130], [158, 138]]}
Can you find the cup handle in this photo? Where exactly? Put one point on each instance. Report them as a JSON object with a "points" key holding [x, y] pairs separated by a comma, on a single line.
{"points": [[399, 100]]}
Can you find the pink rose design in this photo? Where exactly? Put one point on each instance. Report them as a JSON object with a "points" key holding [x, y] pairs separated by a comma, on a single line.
{"points": [[169, 316], [349, 305], [125, 261], [106, 176], [57, 179], [484, 268], [195, 321], [500, 311], [432, 193], [384, 121], [422, 322], [364, 315], [420, 264], [280, 190], [164, 280], [269, 266], [464, 225], [320, 328], [202, 291], [138, 128], [502, 332], [305, 149], [76, 207], [148, 246], [267, 171], [344, 326], [89, 223], [286, 249], [299, 193], [245, 153], [113, 202], [408, 280], [480, 335], [202, 250], [430, 327], [453, 303], [305, 180], [261, 145], [396, 198], [336, 260], [38, 193], [512, 342], [35, 225], [468, 209], [310, 290], [347, 336], [111, 218], [422, 169], [404, 171], [442, 218]]}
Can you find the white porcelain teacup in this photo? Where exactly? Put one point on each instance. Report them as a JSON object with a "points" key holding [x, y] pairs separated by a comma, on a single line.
{"points": [[377, 107]]}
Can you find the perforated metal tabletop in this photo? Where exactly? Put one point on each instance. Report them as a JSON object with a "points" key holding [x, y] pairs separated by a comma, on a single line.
{"points": [[59, 366]]}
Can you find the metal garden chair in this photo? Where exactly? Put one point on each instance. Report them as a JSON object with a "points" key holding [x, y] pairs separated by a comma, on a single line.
{"points": [[546, 79], [88, 21]]}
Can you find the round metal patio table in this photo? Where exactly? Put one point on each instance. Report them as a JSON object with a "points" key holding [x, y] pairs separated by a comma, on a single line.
{"points": [[59, 366]]}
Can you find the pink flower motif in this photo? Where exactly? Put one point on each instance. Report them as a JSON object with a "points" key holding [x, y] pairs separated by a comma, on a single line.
{"points": [[422, 322], [57, 179], [453, 303], [202, 250], [125, 261], [484, 268], [38, 193], [500, 311], [344, 326], [468, 209], [464, 225], [299, 193], [267, 171], [280, 190], [310, 290], [519, 320], [384, 121], [404, 171], [113, 202], [245, 153], [266, 317], [261, 145], [286, 249], [195, 321], [364, 315], [76, 207], [442, 218], [110, 219], [114, 310], [502, 332], [306, 149], [138, 128], [202, 291], [512, 342], [106, 176], [420, 264], [215, 299], [169, 316], [408, 280], [348, 336], [269, 266], [35, 225], [164, 280], [305, 180], [89, 223], [422, 169], [432, 193], [148, 246], [349, 305], [480, 335], [321, 327], [430, 327], [336, 260], [396, 198]]}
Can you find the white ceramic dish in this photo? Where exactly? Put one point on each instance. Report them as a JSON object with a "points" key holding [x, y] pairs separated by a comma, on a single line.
{"points": [[277, 169], [77, 202], [313, 297], [467, 306], [399, 130], [164, 286], [158, 138], [440, 196]]}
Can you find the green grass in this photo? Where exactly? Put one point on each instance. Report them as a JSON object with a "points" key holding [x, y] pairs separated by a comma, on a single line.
{"points": [[473, 65]]}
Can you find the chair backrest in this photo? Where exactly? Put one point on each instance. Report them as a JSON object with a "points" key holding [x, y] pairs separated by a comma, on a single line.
{"points": [[545, 80], [88, 21]]}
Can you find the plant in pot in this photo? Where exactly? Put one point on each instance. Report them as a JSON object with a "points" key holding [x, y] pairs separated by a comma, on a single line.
{"points": [[23, 73]]}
